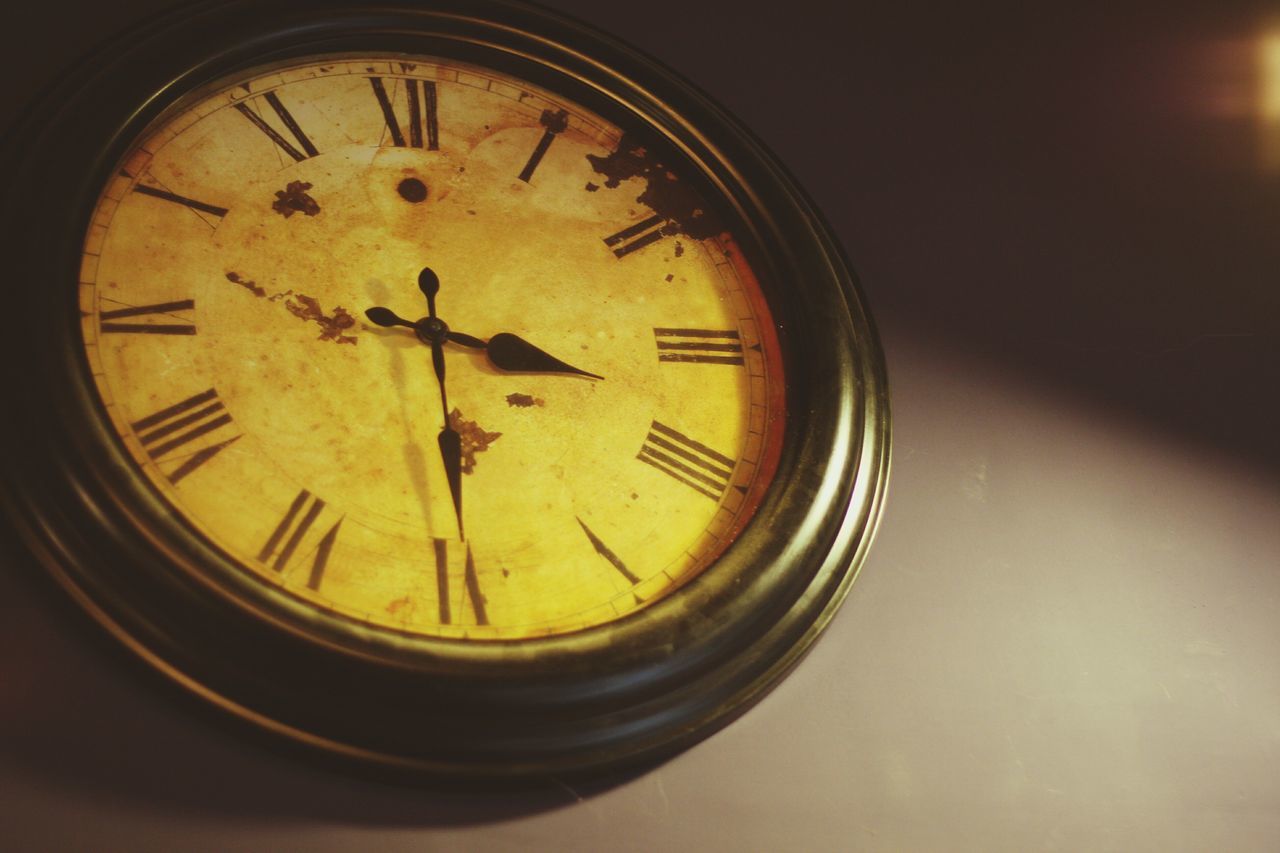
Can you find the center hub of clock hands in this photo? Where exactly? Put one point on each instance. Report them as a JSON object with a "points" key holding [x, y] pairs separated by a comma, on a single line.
{"points": [[506, 352], [431, 330]]}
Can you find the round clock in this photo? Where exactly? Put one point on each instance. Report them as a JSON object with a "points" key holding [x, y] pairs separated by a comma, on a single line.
{"points": [[447, 386]]}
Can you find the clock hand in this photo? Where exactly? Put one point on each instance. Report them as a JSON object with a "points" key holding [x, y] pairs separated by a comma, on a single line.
{"points": [[387, 318], [505, 351], [432, 331], [436, 332], [513, 354]]}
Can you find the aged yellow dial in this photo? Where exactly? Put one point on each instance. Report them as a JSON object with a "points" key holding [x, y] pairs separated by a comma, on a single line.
{"points": [[430, 349]]}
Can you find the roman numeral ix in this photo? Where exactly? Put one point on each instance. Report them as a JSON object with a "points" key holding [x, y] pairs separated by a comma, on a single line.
{"points": [[687, 461], [288, 535], [423, 113], [181, 424], [699, 346], [109, 324]]}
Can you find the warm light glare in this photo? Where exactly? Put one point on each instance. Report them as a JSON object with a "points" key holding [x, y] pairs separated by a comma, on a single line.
{"points": [[1269, 91], [1268, 108]]}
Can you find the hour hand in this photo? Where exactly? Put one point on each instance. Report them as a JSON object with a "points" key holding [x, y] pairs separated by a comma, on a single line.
{"points": [[507, 352], [513, 354]]}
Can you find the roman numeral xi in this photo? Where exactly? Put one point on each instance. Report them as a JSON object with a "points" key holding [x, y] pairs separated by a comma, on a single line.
{"points": [[308, 148]]}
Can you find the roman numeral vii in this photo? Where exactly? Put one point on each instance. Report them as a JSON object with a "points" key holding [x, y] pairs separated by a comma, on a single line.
{"points": [[289, 533]]}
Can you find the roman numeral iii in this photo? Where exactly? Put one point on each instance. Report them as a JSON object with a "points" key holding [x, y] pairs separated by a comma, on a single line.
{"points": [[699, 346], [423, 113], [183, 424], [702, 469]]}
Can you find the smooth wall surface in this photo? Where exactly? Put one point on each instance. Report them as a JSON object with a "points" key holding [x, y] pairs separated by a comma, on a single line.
{"points": [[1066, 636]]}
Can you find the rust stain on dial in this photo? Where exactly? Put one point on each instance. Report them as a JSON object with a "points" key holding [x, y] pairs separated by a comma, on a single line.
{"points": [[331, 327], [474, 439], [294, 199]]}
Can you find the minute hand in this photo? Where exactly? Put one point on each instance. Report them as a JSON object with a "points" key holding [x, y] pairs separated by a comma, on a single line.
{"points": [[513, 354]]}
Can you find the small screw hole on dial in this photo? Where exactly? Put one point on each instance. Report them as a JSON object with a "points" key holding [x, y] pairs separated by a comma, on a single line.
{"points": [[413, 190]]}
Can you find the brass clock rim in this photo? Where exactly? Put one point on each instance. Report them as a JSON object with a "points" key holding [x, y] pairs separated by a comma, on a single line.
{"points": [[656, 682]]}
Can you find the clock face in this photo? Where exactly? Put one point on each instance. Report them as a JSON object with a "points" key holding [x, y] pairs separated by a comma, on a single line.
{"points": [[579, 420]]}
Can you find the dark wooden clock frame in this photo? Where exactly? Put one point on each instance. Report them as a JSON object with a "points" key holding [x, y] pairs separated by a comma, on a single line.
{"points": [[626, 692]]}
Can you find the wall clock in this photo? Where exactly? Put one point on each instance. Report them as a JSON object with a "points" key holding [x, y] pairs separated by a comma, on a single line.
{"points": [[443, 386]]}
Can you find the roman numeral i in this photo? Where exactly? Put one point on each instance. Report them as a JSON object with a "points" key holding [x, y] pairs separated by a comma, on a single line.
{"points": [[555, 123]]}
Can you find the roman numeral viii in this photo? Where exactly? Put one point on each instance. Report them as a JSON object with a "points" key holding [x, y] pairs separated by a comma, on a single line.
{"points": [[289, 533], [690, 462], [423, 113], [286, 118], [184, 424], [699, 346]]}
